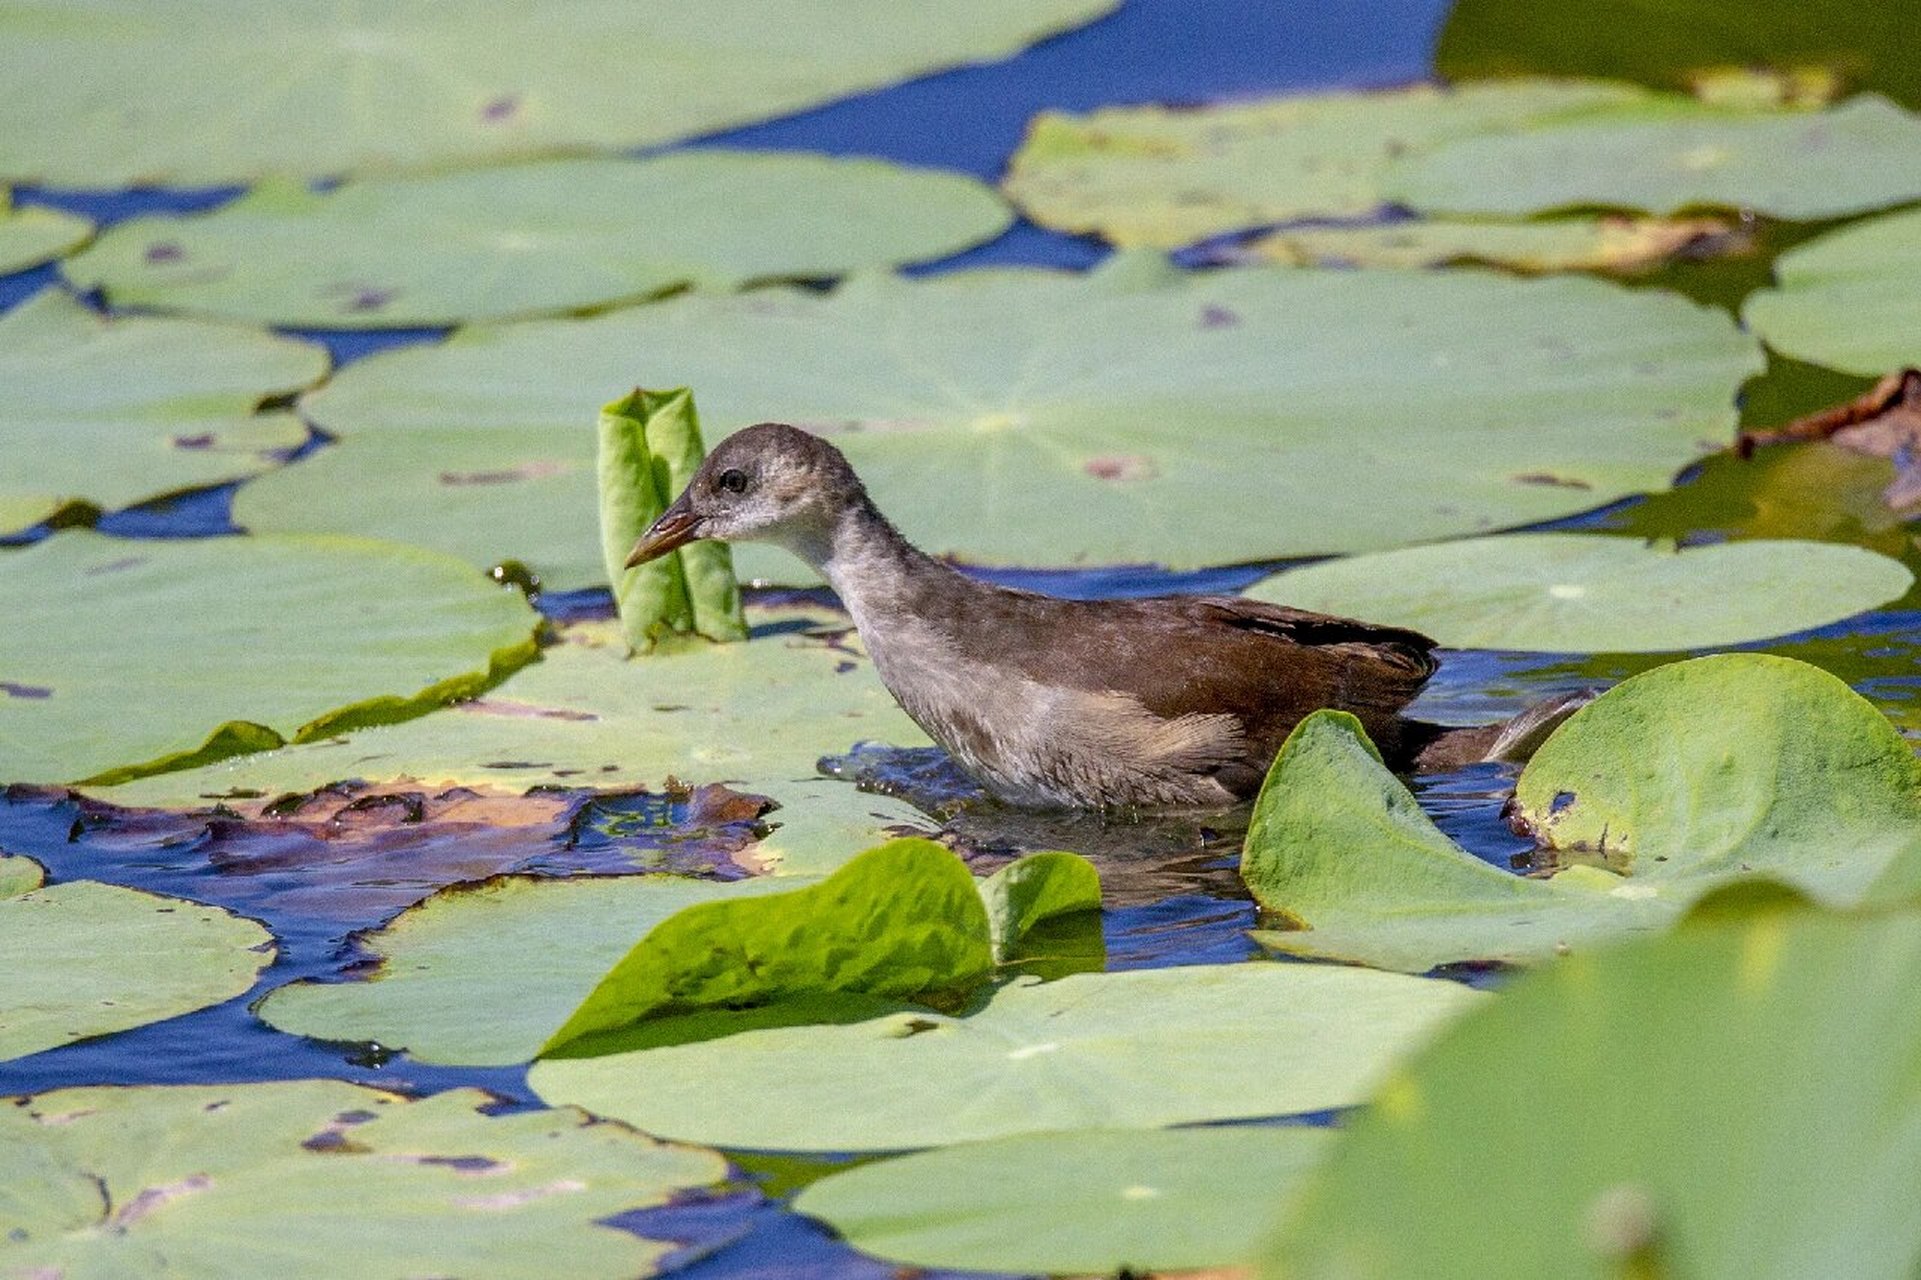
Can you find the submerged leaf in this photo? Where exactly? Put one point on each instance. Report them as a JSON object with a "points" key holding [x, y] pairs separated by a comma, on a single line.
{"points": [[151, 656], [1850, 299], [309, 1179], [1133, 415], [1784, 1046], [1586, 593], [1087, 1202], [537, 238], [82, 959]]}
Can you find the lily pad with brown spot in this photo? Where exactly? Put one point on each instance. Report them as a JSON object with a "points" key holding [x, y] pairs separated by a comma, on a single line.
{"points": [[1608, 243]]}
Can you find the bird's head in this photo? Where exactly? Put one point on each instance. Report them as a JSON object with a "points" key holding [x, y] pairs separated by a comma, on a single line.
{"points": [[765, 483]]}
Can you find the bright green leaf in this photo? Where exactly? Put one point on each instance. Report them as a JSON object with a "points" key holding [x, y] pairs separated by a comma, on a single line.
{"points": [[1584, 593], [902, 921], [1033, 890], [535, 239], [1090, 1202], [1784, 1049], [110, 412], [230, 90], [1110, 418], [1675, 154], [1850, 300], [82, 959], [318, 1178], [141, 657], [1138, 1049]]}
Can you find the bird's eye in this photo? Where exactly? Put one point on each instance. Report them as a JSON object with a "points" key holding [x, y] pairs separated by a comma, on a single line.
{"points": [[732, 480]]}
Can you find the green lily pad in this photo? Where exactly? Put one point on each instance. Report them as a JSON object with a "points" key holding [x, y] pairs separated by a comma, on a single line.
{"points": [[243, 644], [1091, 1202], [757, 715], [1848, 299], [1035, 889], [901, 921], [1783, 1047], [34, 234], [1585, 593], [1136, 1049], [1608, 243], [411, 84], [82, 959], [1678, 781], [1675, 154], [1136, 414], [534, 239], [314, 1178], [1160, 178], [106, 413]]}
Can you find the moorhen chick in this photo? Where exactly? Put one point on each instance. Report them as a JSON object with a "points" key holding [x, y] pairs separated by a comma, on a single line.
{"points": [[1172, 702]]}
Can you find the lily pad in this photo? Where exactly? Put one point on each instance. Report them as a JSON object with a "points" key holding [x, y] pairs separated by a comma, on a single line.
{"points": [[82, 959], [1606, 243], [243, 644], [757, 715], [34, 234], [1675, 154], [1848, 299], [1160, 178], [104, 413], [1092, 1202], [1783, 1047], [534, 239], [411, 84], [1137, 414], [1584, 593], [1137, 1049], [313, 1178], [1674, 783]]}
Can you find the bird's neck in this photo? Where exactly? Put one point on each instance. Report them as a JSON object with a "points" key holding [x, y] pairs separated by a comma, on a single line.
{"points": [[880, 576]]}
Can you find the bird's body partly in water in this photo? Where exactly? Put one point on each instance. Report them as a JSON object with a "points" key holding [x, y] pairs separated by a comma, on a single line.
{"points": [[1170, 702]]}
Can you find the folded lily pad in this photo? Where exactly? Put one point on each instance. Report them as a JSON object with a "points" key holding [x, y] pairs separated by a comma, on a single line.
{"points": [[104, 413], [35, 234], [410, 83], [534, 239], [141, 657], [1088, 1202], [1136, 414], [1137, 1049], [1783, 1047], [1606, 243], [314, 1178], [1675, 154], [1676, 782], [1155, 177], [1849, 299], [82, 959], [1585, 593]]}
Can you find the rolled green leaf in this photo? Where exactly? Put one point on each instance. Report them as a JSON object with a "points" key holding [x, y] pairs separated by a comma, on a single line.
{"points": [[673, 438]]}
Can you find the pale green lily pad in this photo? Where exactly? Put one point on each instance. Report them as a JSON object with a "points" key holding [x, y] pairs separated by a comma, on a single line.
{"points": [[901, 921], [33, 234], [1606, 243], [139, 657], [1137, 1049], [757, 715], [1136, 414], [232, 92], [535, 239], [106, 413], [1160, 178], [82, 959], [1090, 1202], [318, 1178], [1680, 780], [1783, 1047], [1586, 593], [1849, 299], [1675, 154]]}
